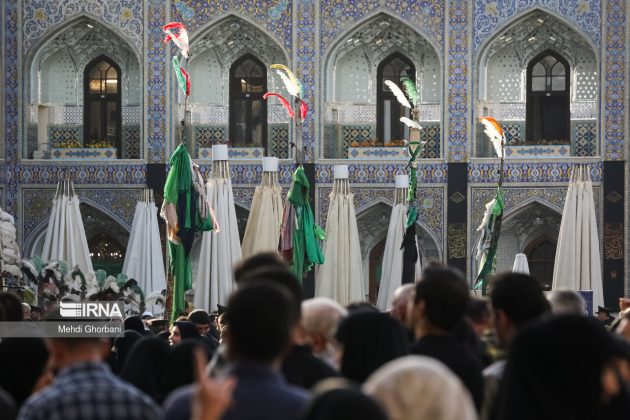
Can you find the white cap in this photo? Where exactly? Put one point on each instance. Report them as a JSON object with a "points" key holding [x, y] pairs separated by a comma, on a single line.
{"points": [[341, 172], [402, 181], [220, 152], [270, 164]]}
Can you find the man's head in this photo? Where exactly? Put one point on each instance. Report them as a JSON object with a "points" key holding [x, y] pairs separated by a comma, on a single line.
{"points": [[567, 302], [603, 313], [402, 303], [201, 319], [517, 299], [261, 316], [440, 301], [320, 319], [263, 260], [66, 352], [272, 274], [36, 313], [478, 313], [12, 306]]}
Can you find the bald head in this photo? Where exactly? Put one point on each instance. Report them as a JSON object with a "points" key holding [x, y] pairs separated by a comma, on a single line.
{"points": [[403, 298]]}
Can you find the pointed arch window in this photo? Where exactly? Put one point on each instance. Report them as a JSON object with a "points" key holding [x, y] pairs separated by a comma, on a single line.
{"points": [[248, 110], [102, 103], [548, 108], [388, 110], [541, 254]]}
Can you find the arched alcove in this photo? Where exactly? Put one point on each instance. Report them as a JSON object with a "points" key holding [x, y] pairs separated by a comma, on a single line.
{"points": [[502, 86], [54, 100], [104, 235], [530, 229], [373, 224], [349, 112], [213, 52]]}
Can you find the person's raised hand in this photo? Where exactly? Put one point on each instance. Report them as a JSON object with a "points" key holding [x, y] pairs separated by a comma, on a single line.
{"points": [[213, 397]]}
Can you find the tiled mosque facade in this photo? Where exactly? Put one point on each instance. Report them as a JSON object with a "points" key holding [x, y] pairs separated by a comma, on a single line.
{"points": [[470, 59]]}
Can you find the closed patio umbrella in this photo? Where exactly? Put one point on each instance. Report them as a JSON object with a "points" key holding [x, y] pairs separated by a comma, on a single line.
{"points": [[65, 236], [262, 233], [341, 276], [577, 265], [220, 250], [143, 259], [391, 273]]}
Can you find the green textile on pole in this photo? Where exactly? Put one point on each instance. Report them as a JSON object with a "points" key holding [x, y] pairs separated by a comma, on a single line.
{"points": [[490, 242], [306, 249], [181, 79], [180, 192], [181, 270]]}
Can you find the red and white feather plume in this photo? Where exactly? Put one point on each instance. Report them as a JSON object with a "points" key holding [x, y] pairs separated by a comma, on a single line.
{"points": [[494, 131]]}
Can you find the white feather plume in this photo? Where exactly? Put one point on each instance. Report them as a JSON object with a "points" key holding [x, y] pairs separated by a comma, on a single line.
{"points": [[291, 87], [410, 123], [398, 93]]}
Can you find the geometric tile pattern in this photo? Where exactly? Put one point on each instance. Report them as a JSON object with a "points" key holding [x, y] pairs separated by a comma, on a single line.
{"points": [[131, 142], [61, 133], [279, 140], [305, 57], [383, 173], [514, 132], [74, 115], [157, 64], [207, 135], [533, 171], [536, 151], [352, 133], [585, 139], [112, 173], [458, 72], [431, 134], [81, 153], [614, 66]]}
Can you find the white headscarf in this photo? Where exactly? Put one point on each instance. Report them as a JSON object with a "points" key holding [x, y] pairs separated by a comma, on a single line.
{"points": [[420, 388]]}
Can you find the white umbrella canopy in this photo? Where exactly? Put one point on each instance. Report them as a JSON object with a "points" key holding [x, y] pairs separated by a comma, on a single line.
{"points": [[65, 236], [391, 273], [144, 260], [220, 250], [520, 264], [341, 275], [262, 232], [577, 264]]}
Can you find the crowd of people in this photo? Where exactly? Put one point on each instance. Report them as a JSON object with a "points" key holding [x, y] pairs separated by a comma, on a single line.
{"points": [[437, 354]]}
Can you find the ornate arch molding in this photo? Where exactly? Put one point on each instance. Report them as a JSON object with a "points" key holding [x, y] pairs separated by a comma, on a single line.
{"points": [[32, 48], [365, 24], [512, 21], [209, 27], [334, 44], [484, 50]]}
